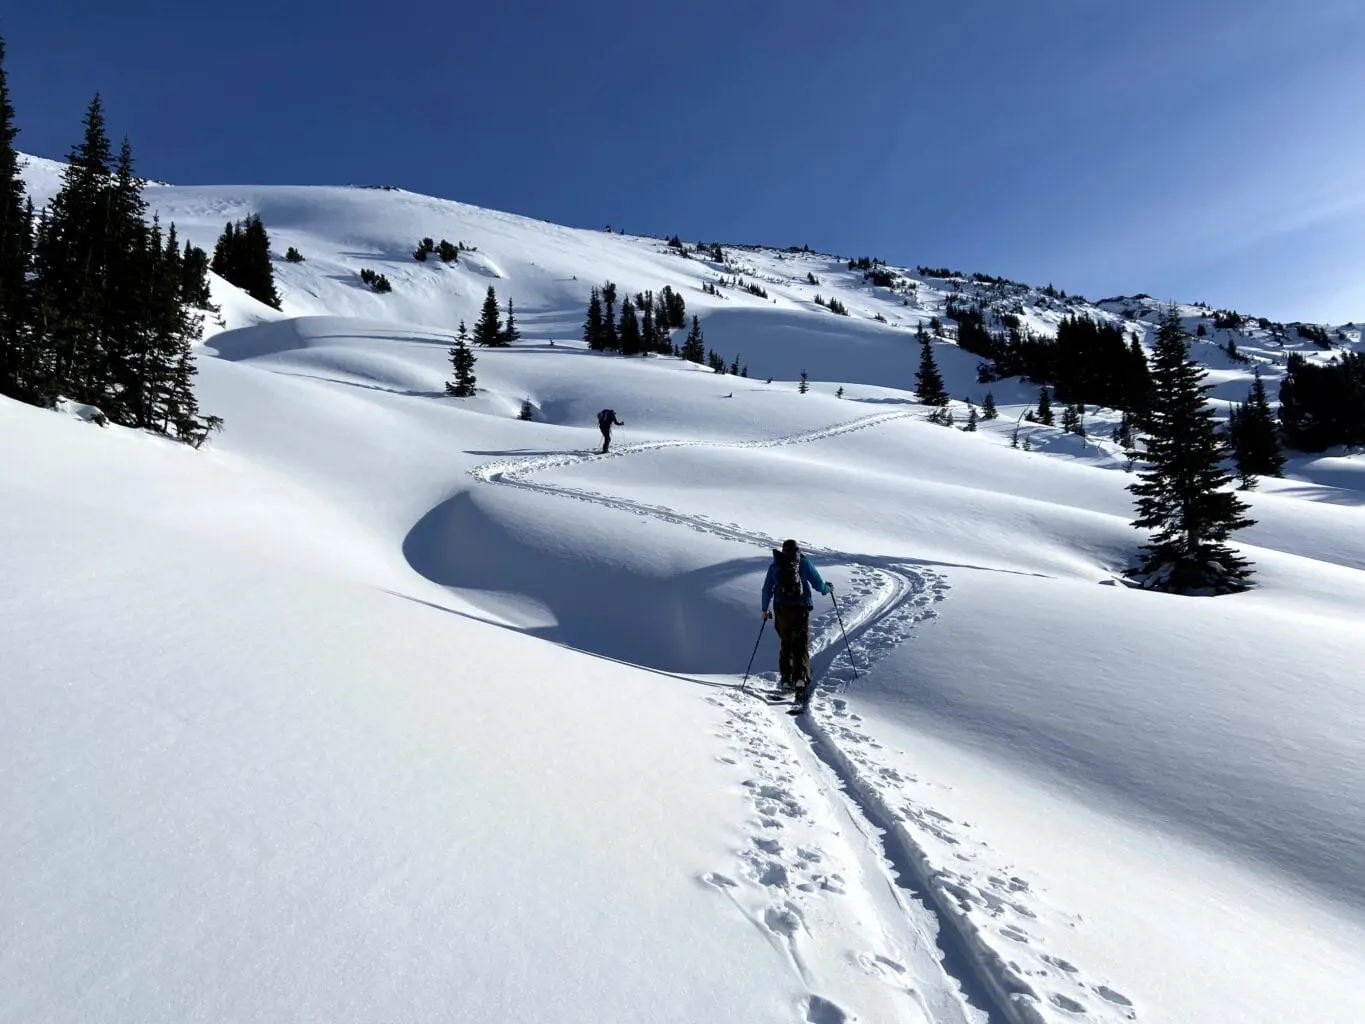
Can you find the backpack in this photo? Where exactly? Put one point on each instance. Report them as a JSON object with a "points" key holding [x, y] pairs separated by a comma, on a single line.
{"points": [[604, 418], [787, 587]]}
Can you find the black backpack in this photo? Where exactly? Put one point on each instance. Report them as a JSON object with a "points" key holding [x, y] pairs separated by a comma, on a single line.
{"points": [[788, 588], [604, 418]]}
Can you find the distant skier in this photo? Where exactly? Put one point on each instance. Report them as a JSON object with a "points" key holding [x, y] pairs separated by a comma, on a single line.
{"points": [[605, 420], [787, 587]]}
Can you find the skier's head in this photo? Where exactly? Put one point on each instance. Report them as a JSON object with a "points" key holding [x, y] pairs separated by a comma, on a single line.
{"points": [[789, 548]]}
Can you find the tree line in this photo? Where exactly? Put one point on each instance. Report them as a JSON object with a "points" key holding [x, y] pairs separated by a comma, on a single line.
{"points": [[97, 305]]}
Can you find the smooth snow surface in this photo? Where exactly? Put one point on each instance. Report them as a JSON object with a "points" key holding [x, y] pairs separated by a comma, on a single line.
{"points": [[386, 706]]}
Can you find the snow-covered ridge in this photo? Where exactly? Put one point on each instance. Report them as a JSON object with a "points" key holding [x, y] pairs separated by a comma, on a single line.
{"points": [[385, 704]]}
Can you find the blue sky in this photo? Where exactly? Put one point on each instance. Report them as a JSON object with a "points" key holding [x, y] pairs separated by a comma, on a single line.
{"points": [[1211, 151]]}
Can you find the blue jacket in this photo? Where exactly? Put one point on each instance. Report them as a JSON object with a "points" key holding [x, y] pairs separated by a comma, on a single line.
{"points": [[809, 578]]}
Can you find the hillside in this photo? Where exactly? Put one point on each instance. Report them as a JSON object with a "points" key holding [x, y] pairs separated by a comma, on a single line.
{"points": [[386, 705]]}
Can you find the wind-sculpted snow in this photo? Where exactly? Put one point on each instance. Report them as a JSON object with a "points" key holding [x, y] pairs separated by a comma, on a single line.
{"points": [[982, 916]]}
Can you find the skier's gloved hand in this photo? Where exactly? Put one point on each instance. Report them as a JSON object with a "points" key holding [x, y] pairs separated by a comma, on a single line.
{"points": [[767, 615], [829, 588]]}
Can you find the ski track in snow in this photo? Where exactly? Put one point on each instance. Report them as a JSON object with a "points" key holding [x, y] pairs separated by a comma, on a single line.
{"points": [[986, 911]]}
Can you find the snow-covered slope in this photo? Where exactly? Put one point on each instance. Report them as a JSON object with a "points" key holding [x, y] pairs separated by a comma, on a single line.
{"points": [[390, 706]]}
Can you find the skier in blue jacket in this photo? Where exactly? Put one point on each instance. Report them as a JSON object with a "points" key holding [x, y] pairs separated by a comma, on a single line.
{"points": [[787, 587]]}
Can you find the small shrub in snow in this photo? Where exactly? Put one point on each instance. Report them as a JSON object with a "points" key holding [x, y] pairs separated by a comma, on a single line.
{"points": [[292, 255]]}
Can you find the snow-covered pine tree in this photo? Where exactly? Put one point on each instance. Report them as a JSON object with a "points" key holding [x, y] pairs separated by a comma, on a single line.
{"points": [[988, 409], [928, 381], [971, 421], [1182, 494], [1255, 437], [463, 384], [488, 328]]}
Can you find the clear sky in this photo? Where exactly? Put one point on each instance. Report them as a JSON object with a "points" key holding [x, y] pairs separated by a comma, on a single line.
{"points": [[1210, 150]]}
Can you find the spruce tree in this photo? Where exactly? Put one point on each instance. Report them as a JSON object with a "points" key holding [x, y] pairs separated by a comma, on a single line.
{"points": [[631, 342], [593, 333], [462, 363], [1255, 438], [488, 329], [242, 258], [1045, 407], [611, 339], [1182, 494], [511, 333], [988, 409], [649, 340], [694, 348], [804, 386], [18, 345], [971, 421], [928, 382]]}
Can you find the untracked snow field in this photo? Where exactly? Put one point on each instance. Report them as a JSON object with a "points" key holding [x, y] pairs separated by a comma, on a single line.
{"points": [[387, 706]]}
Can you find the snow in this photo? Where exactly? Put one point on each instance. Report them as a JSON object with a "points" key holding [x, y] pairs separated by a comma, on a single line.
{"points": [[390, 706]]}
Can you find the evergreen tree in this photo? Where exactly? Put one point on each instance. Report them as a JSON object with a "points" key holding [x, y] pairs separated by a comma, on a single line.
{"points": [[1182, 495], [804, 386], [1045, 407], [611, 338], [928, 382], [632, 344], [1255, 438], [694, 348], [593, 333], [71, 254], [988, 409], [488, 329], [462, 363], [971, 421], [1071, 420], [19, 361], [837, 394], [649, 336], [242, 258], [511, 333], [734, 365]]}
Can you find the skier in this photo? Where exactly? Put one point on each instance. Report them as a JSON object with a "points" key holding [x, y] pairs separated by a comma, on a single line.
{"points": [[787, 587], [605, 420]]}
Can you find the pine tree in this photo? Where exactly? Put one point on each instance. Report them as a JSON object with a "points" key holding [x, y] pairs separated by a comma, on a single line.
{"points": [[611, 338], [511, 333], [631, 342], [1045, 407], [971, 421], [928, 381], [1255, 438], [592, 326], [1071, 419], [488, 329], [1182, 494], [242, 258], [71, 254], [837, 394], [649, 336], [804, 386], [462, 363], [19, 364], [694, 348], [734, 365], [988, 409]]}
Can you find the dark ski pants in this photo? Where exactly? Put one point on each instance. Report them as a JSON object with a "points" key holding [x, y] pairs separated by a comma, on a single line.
{"points": [[792, 622], [606, 439]]}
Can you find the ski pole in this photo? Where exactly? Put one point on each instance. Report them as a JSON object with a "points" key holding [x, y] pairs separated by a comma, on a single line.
{"points": [[744, 686], [847, 648]]}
